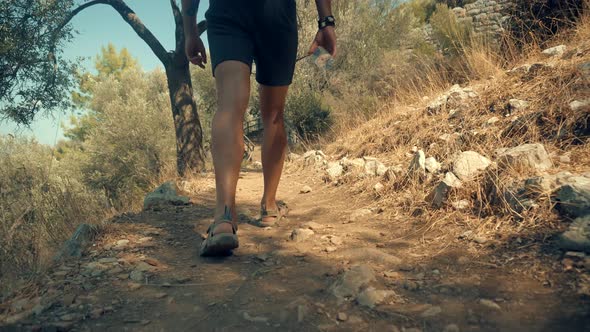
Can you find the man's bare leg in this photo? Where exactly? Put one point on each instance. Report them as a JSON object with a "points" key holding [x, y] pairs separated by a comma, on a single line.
{"points": [[274, 144], [232, 80]]}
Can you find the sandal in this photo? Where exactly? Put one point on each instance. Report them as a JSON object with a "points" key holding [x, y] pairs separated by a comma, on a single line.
{"points": [[219, 244], [277, 215]]}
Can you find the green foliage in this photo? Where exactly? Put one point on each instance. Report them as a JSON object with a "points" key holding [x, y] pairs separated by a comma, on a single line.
{"points": [[43, 200], [132, 142], [33, 77], [108, 63], [307, 115], [452, 36]]}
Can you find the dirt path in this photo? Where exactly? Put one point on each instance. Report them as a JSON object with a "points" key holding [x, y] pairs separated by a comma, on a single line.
{"points": [[144, 274]]}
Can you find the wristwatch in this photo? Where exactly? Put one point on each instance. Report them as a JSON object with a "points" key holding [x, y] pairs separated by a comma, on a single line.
{"points": [[327, 21]]}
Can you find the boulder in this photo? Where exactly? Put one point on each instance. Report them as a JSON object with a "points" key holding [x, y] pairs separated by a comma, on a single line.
{"points": [[528, 155], [164, 195], [577, 237], [574, 197], [469, 164], [554, 51]]}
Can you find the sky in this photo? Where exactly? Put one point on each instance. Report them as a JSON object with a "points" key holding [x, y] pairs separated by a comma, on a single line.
{"points": [[97, 26]]}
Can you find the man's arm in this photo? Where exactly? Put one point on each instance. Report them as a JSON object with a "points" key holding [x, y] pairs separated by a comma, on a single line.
{"points": [[324, 8], [326, 37], [193, 45], [189, 17]]}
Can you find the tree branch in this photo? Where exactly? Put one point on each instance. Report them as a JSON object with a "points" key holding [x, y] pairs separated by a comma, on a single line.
{"points": [[131, 18], [179, 31]]}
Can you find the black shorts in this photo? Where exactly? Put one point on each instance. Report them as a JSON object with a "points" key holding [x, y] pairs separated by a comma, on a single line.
{"points": [[263, 31]]}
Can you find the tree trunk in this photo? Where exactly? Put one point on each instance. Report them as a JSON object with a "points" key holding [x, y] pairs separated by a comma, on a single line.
{"points": [[189, 134]]}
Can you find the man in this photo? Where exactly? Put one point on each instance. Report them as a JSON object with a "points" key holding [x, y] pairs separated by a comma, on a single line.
{"points": [[240, 32]]}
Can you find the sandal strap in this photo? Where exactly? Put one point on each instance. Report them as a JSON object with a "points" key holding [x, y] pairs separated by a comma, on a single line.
{"points": [[274, 213], [219, 222]]}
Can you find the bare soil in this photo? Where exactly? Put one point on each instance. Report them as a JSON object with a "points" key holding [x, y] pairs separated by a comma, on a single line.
{"points": [[274, 283]]}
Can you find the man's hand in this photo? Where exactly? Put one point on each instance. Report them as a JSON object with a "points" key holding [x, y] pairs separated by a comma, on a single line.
{"points": [[195, 50], [325, 38]]}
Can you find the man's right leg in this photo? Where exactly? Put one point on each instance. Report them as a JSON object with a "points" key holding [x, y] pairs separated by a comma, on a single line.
{"points": [[232, 80]]}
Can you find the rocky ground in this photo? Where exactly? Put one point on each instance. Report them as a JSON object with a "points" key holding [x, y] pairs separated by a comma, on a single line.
{"points": [[338, 263], [473, 216]]}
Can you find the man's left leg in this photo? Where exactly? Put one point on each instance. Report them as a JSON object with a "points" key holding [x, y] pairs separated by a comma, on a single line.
{"points": [[274, 142]]}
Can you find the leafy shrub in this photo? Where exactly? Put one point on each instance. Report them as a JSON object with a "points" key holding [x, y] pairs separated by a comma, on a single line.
{"points": [[131, 144], [307, 115], [42, 202]]}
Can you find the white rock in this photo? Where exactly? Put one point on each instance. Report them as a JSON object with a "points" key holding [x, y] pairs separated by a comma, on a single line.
{"points": [[305, 189], [371, 297], [452, 181], [490, 304], [578, 105], [374, 167], [165, 194], [256, 165], [461, 205], [554, 51], [350, 164], [445, 137], [301, 234], [334, 171], [417, 165], [359, 214], [381, 169], [431, 312], [378, 187], [352, 281], [469, 164], [336, 240], [432, 165], [492, 120], [529, 155], [309, 154], [517, 104]]}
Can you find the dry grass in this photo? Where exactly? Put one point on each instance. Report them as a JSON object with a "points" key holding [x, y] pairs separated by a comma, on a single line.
{"points": [[402, 124]]}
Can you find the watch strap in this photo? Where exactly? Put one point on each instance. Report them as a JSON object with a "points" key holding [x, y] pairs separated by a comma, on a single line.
{"points": [[327, 21]]}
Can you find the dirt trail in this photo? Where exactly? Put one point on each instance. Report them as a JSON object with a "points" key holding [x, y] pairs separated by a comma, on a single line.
{"points": [[434, 281]]}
